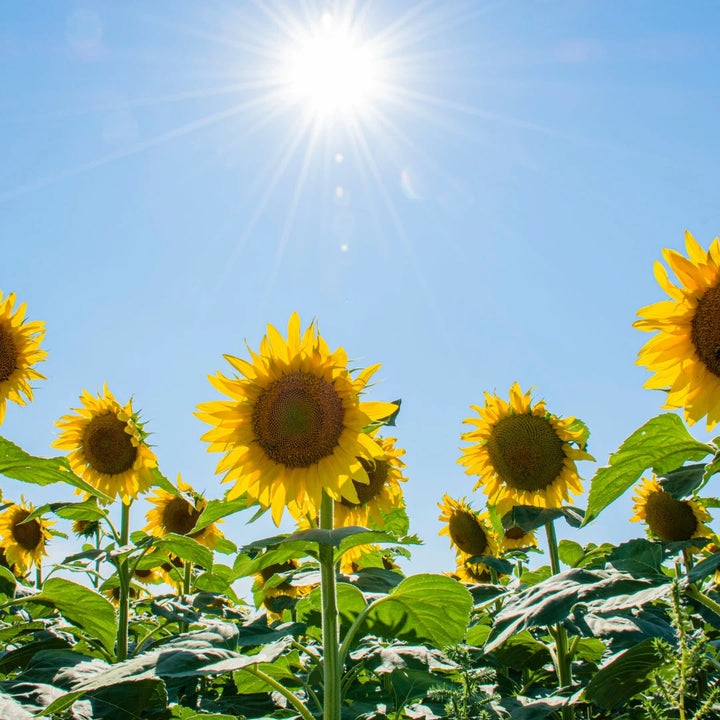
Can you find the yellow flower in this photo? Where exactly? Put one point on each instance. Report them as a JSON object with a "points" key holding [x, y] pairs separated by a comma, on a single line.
{"points": [[108, 447], [380, 495], [179, 514], [515, 538], [468, 533], [111, 590], [521, 453], [23, 542], [668, 518], [173, 571], [283, 589], [685, 354], [19, 351], [472, 573], [86, 528], [293, 426], [362, 556]]}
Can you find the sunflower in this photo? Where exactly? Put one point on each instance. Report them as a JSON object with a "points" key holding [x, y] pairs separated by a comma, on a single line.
{"points": [[468, 533], [111, 590], [179, 514], [381, 494], [108, 444], [685, 354], [472, 573], [173, 571], [522, 454], [268, 591], [293, 426], [365, 556], [23, 542], [515, 538], [86, 528], [667, 517]]}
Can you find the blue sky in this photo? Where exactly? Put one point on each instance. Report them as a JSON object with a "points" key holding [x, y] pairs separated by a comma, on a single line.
{"points": [[499, 223]]}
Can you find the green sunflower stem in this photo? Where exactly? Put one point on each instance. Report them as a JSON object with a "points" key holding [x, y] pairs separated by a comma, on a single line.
{"points": [[331, 662], [124, 578], [564, 669], [38, 576], [187, 577]]}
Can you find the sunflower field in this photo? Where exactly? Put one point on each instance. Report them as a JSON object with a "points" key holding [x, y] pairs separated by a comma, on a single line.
{"points": [[145, 619]]}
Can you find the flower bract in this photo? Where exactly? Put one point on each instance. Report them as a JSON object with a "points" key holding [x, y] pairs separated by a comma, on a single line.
{"points": [[107, 446], [19, 351], [522, 454], [293, 426], [685, 354]]}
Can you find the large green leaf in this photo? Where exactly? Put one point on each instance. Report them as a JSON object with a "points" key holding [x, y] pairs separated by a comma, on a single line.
{"points": [[684, 481], [624, 676], [522, 651], [187, 549], [17, 464], [350, 604], [529, 518], [86, 510], [80, 606], [550, 601], [431, 609], [217, 509], [663, 444]]}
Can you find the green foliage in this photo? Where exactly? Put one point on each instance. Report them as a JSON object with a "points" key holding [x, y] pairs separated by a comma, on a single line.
{"points": [[662, 444]]}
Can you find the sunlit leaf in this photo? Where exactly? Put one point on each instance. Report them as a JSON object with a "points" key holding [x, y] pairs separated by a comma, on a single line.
{"points": [[17, 464], [81, 606], [187, 549], [662, 444]]}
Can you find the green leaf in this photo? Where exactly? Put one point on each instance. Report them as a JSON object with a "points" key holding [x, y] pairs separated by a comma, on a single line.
{"points": [[86, 510], [187, 549], [530, 518], [159, 480], [684, 481], [663, 443], [704, 568], [624, 676], [522, 651], [82, 607], [637, 556], [15, 463], [431, 609], [500, 565], [551, 601], [217, 509], [570, 552], [8, 582], [350, 604]]}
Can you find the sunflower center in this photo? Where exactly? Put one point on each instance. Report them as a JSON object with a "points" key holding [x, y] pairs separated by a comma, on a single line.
{"points": [[467, 533], [179, 516], [28, 535], [108, 448], [670, 519], [298, 420], [377, 473], [705, 331], [526, 452], [515, 533], [8, 355]]}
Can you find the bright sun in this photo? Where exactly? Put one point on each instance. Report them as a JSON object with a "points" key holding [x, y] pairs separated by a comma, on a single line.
{"points": [[330, 71]]}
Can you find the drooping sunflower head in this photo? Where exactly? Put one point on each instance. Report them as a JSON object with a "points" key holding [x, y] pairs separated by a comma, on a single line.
{"points": [[472, 573], [24, 543], [381, 494], [667, 517], [515, 538], [179, 514], [85, 528], [273, 583], [469, 534], [108, 446], [293, 426], [19, 351], [111, 590], [685, 354], [521, 453]]}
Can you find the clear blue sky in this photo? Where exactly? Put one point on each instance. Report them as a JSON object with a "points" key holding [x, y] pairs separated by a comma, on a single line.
{"points": [[158, 207]]}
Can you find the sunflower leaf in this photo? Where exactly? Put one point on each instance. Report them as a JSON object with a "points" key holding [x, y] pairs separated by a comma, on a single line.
{"points": [[624, 676], [86, 510], [80, 606], [529, 518], [704, 568], [216, 509], [501, 566], [15, 463], [663, 443], [684, 481], [431, 609], [187, 549]]}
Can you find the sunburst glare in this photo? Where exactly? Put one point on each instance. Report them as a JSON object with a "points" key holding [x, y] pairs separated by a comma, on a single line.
{"points": [[331, 69]]}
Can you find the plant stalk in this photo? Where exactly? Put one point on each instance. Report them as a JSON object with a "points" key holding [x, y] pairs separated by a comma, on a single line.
{"points": [[328, 590], [564, 668], [124, 577], [275, 685]]}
